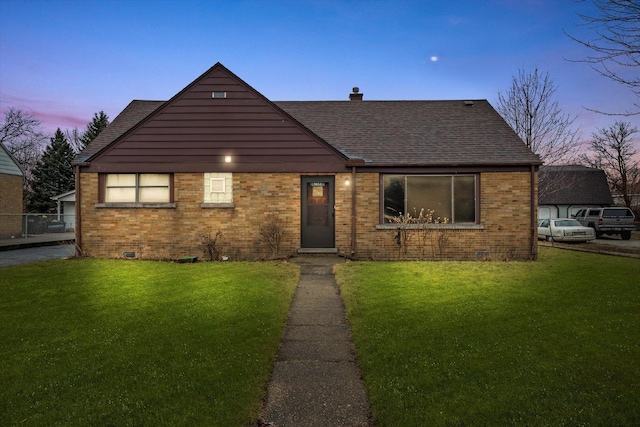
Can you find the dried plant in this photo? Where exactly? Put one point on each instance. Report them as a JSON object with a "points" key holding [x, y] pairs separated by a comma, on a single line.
{"points": [[210, 245], [272, 233], [442, 237], [402, 236], [421, 222]]}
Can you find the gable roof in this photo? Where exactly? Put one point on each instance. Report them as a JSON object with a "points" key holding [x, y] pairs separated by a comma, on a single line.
{"points": [[69, 196], [133, 114], [194, 130], [215, 116], [414, 133], [8, 164], [573, 185]]}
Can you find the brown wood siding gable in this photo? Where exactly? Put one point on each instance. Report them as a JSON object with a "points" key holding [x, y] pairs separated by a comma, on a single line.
{"points": [[194, 131]]}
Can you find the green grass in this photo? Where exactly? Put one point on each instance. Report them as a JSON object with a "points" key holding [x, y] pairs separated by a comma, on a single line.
{"points": [[107, 342], [548, 343]]}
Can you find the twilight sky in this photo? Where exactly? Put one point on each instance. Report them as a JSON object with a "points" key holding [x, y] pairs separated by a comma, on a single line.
{"points": [[64, 60]]}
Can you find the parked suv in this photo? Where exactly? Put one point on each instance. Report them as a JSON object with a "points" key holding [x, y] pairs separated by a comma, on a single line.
{"points": [[615, 220]]}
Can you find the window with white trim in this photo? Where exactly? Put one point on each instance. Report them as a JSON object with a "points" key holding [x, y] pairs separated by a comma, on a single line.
{"points": [[218, 188], [137, 188], [449, 196]]}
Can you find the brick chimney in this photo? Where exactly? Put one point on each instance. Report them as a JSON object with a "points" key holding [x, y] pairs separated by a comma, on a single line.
{"points": [[355, 96]]}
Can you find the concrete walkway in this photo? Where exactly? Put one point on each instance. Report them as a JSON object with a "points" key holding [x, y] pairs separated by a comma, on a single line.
{"points": [[316, 380]]}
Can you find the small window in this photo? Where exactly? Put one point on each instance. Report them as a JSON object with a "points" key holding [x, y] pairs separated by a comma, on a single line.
{"points": [[218, 94], [137, 188], [218, 188]]}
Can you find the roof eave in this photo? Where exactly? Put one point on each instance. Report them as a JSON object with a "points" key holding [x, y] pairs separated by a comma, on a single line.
{"points": [[359, 163]]}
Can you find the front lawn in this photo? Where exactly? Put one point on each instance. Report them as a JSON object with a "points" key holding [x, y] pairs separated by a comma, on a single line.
{"points": [[548, 343], [108, 342]]}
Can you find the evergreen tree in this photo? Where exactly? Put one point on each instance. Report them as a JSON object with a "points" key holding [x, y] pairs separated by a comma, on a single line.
{"points": [[98, 124], [52, 175]]}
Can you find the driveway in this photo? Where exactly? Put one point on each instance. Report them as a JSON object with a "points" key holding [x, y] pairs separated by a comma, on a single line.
{"points": [[611, 245], [617, 242], [42, 253]]}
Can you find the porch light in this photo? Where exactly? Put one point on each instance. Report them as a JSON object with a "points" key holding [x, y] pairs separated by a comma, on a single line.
{"points": [[227, 159], [347, 182]]}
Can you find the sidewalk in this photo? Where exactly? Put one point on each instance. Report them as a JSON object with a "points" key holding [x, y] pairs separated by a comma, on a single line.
{"points": [[316, 380]]}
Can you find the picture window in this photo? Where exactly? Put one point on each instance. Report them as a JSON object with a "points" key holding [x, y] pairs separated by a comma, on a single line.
{"points": [[449, 196]]}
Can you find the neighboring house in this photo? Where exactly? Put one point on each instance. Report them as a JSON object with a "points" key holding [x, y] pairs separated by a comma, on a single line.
{"points": [[66, 209], [564, 190], [219, 156], [11, 195]]}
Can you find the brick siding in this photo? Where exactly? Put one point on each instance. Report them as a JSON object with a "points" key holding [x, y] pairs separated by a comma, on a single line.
{"points": [[155, 233], [11, 202]]}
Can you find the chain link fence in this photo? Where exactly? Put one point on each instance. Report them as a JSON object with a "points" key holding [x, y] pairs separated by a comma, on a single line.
{"points": [[16, 226]]}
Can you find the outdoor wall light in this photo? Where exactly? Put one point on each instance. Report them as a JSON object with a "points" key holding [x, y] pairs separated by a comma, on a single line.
{"points": [[227, 159], [347, 182]]}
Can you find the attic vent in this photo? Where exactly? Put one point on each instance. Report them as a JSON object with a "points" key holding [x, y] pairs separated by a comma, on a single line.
{"points": [[468, 103], [218, 94]]}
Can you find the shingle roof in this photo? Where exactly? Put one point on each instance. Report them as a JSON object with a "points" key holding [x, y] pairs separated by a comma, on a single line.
{"points": [[414, 132], [133, 114], [573, 185], [408, 133]]}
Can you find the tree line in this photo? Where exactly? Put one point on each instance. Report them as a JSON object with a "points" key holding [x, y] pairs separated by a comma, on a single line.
{"points": [[48, 169]]}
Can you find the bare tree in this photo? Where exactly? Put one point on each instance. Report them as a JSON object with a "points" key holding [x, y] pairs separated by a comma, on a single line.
{"points": [[613, 149], [531, 111], [615, 44], [22, 134], [74, 138]]}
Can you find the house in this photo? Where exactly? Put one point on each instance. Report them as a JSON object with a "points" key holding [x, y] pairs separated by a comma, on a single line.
{"points": [[564, 190], [66, 209], [11, 194], [326, 176]]}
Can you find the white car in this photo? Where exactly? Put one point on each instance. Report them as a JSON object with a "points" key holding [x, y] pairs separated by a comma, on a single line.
{"points": [[564, 230]]}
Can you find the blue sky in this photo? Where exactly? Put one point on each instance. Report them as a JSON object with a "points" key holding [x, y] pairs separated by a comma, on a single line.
{"points": [[65, 60]]}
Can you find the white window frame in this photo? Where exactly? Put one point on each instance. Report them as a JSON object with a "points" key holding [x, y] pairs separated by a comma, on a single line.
{"points": [[217, 190], [136, 187]]}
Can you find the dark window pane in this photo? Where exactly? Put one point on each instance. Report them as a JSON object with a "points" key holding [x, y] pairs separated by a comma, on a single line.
{"points": [[429, 192], [465, 198], [393, 196]]}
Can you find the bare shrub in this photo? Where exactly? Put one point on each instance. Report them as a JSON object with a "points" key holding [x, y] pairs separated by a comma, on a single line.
{"points": [[421, 225], [401, 235], [442, 237], [272, 233], [210, 245]]}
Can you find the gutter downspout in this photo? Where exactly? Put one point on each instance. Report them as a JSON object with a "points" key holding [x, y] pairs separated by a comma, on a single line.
{"points": [[78, 213], [353, 211], [534, 252]]}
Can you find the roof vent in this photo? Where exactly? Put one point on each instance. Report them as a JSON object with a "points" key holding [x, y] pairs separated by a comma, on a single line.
{"points": [[468, 103], [355, 96]]}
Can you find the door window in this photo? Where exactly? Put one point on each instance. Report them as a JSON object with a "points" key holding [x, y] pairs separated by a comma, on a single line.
{"points": [[317, 204]]}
